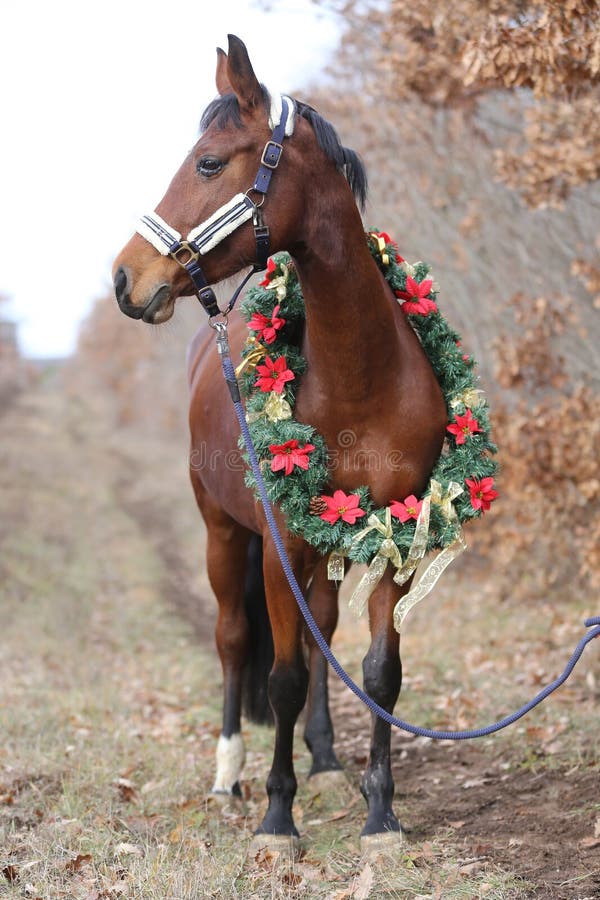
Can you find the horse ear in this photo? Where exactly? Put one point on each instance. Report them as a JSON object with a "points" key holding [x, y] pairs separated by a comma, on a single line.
{"points": [[222, 78], [241, 75]]}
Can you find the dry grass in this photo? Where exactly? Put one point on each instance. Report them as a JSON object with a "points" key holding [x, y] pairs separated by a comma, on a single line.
{"points": [[109, 709]]}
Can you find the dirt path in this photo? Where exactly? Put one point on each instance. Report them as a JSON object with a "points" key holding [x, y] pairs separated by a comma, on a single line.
{"points": [[534, 816], [98, 549]]}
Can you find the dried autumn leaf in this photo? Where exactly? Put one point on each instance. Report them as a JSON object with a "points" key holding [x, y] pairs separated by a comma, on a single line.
{"points": [[128, 849], [470, 869], [265, 858], [364, 884], [11, 873], [176, 835], [589, 843], [127, 789], [74, 865], [291, 879]]}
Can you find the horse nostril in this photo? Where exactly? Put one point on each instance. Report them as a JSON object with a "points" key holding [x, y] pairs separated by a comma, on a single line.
{"points": [[120, 283]]}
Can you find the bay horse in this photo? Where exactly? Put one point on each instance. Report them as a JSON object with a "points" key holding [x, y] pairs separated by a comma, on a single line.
{"points": [[367, 374]]}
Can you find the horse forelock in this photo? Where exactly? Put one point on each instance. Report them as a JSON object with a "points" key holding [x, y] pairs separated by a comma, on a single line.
{"points": [[226, 109]]}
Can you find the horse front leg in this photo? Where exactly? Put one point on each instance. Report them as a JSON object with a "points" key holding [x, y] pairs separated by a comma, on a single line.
{"points": [[382, 673], [288, 683], [226, 562], [318, 729]]}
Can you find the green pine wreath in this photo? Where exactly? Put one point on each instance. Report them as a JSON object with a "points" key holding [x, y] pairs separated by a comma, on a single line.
{"points": [[293, 455]]}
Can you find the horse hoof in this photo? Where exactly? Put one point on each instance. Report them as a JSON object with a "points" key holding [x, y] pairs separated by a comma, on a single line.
{"points": [[384, 842], [333, 788], [281, 846]]}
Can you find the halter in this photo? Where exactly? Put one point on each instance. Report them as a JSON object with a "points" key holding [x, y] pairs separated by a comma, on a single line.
{"points": [[227, 218]]}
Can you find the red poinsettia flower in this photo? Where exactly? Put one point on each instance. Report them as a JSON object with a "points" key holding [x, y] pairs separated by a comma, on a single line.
{"points": [[288, 455], [416, 298], [273, 375], [482, 492], [463, 426], [342, 506], [266, 328], [271, 267], [410, 509]]}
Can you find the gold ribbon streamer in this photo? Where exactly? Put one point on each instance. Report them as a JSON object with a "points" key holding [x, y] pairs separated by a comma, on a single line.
{"points": [[418, 546], [335, 566], [434, 570], [428, 580]]}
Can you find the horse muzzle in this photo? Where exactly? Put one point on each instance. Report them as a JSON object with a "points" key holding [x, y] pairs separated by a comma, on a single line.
{"points": [[157, 308]]}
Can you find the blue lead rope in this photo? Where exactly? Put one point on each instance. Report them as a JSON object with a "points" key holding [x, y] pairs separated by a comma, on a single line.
{"points": [[593, 623]]}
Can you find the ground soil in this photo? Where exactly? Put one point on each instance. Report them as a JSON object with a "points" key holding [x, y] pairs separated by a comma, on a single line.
{"points": [[534, 821], [523, 821]]}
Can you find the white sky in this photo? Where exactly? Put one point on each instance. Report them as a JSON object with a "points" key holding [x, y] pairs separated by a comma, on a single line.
{"points": [[100, 103]]}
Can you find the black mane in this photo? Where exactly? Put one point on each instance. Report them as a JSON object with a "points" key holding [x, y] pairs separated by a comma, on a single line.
{"points": [[226, 109]]}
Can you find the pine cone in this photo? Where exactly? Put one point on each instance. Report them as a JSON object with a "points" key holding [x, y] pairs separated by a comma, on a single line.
{"points": [[317, 506]]}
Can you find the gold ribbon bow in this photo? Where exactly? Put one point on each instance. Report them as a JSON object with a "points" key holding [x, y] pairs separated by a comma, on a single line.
{"points": [[445, 500], [388, 552], [279, 284], [252, 358], [470, 397], [385, 259], [275, 409]]}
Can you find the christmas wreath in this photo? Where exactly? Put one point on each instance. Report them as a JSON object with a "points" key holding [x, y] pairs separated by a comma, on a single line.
{"points": [[294, 458]]}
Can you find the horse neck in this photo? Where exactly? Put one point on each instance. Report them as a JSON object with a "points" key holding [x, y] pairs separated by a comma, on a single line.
{"points": [[352, 335]]}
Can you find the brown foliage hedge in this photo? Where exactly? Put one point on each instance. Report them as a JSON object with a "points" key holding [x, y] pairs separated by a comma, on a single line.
{"points": [[466, 92], [545, 537]]}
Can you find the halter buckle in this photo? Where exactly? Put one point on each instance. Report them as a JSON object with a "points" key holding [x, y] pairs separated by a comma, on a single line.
{"points": [[271, 154], [184, 247]]}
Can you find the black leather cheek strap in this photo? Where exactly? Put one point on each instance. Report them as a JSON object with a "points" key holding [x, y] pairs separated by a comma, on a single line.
{"points": [[204, 292]]}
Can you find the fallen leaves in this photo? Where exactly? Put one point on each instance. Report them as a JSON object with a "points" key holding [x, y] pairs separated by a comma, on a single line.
{"points": [[334, 816], [472, 867], [127, 790], [74, 865], [11, 873], [589, 843], [364, 884], [126, 849]]}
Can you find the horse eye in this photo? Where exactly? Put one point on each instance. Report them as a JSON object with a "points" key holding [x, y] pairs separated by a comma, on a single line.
{"points": [[209, 165]]}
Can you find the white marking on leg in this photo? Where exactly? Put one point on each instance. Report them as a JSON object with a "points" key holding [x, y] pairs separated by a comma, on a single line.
{"points": [[231, 755]]}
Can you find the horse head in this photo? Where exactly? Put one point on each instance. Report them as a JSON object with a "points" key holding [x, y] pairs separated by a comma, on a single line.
{"points": [[234, 144]]}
